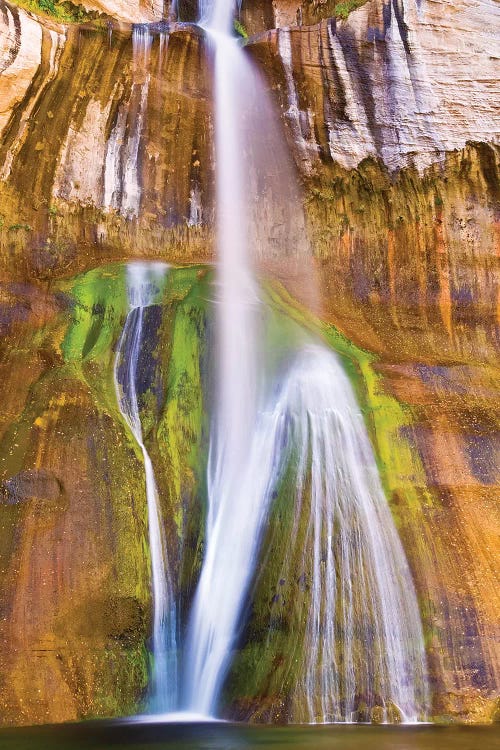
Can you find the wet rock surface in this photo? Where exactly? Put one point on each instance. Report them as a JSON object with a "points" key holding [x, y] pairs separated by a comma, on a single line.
{"points": [[32, 484]]}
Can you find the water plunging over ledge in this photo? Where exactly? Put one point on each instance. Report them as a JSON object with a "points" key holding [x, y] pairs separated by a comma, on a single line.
{"points": [[363, 635], [232, 503], [365, 566]]}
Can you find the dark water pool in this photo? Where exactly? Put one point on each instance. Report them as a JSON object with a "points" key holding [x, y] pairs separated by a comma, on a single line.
{"points": [[102, 735]]}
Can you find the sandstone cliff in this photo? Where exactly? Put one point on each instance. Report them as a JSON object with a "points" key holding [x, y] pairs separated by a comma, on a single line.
{"points": [[106, 153]]}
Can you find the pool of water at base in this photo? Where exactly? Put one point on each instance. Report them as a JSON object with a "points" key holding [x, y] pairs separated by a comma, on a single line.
{"points": [[101, 735]]}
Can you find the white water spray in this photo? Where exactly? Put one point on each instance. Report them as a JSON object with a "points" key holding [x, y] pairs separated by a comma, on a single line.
{"points": [[144, 283]]}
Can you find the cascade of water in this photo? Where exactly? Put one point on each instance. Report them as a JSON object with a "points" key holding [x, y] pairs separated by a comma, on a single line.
{"points": [[144, 282], [219, 598], [364, 636], [364, 642], [374, 646]]}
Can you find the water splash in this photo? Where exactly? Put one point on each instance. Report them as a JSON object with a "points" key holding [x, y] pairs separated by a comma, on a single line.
{"points": [[144, 284]]}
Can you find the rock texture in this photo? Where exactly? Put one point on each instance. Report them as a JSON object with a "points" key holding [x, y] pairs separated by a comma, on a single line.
{"points": [[381, 84], [401, 81], [106, 153], [75, 594], [22, 42], [122, 132], [137, 11]]}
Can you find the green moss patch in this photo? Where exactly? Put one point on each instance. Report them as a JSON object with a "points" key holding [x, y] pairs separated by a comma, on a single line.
{"points": [[64, 11]]}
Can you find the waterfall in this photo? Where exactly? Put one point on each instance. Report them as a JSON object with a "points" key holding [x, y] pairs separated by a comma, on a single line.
{"points": [[363, 632], [231, 503], [144, 283], [364, 636], [363, 649]]}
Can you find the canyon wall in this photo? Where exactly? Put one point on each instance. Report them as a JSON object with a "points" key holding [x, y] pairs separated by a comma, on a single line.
{"points": [[391, 116]]}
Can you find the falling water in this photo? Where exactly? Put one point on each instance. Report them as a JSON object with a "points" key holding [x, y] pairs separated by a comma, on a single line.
{"points": [[231, 507], [364, 636], [144, 283], [363, 632]]}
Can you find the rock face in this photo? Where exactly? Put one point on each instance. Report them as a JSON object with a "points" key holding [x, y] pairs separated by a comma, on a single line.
{"points": [[123, 121], [123, 136], [75, 582], [137, 11], [41, 485], [393, 81], [106, 153], [22, 42]]}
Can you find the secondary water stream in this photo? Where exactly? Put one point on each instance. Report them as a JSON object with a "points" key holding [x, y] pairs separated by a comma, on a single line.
{"points": [[363, 633], [144, 283]]}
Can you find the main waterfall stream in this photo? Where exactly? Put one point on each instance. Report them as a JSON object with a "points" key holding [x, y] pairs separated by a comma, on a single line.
{"points": [[296, 418], [236, 500]]}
